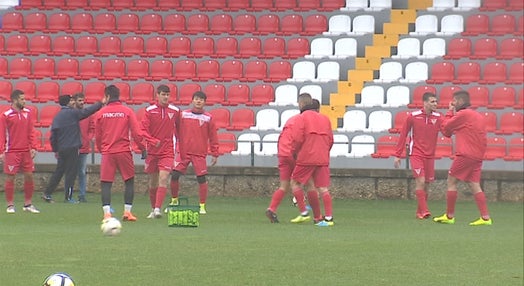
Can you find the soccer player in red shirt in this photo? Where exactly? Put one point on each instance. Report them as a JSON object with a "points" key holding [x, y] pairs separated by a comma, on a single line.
{"points": [[198, 134], [313, 139], [470, 146], [17, 150], [423, 127], [161, 121], [114, 124]]}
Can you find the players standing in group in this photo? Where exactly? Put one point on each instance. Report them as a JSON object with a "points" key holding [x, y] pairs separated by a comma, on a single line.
{"points": [[423, 127], [470, 146], [114, 124], [198, 134], [17, 150], [161, 120]]}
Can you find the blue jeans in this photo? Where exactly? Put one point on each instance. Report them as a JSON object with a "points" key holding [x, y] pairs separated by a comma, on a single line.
{"points": [[82, 170]]}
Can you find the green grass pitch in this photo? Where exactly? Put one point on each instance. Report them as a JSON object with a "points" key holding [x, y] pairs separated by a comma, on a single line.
{"points": [[372, 243]]}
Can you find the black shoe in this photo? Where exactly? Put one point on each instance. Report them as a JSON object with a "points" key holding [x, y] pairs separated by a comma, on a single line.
{"points": [[82, 200], [47, 199], [272, 216]]}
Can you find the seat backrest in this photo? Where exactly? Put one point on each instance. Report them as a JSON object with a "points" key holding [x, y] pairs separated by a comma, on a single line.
{"points": [[479, 95], [268, 24], [216, 94], [485, 48], [244, 23], [197, 23], [291, 24], [132, 45], [339, 24], [242, 118], [303, 71], [345, 48], [156, 45], [363, 24], [127, 22], [340, 146], [221, 23], [226, 46], [202, 46], [109, 45], [468, 4], [274, 47], [328, 71], [315, 24], [397, 96], [451, 24], [511, 48], [297, 47], [362, 146], [390, 71], [502, 24], [221, 117], [267, 119], [371, 95], [433, 48], [245, 143], [150, 22], [407, 48], [426, 24], [476, 24], [416, 72], [314, 90], [379, 121], [321, 47], [459, 48], [269, 145], [354, 120], [286, 94], [262, 94], [490, 120], [174, 23], [285, 115]]}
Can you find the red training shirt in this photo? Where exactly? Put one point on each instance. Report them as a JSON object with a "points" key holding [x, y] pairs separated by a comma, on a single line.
{"points": [[197, 133], [423, 131], [470, 132], [17, 131], [162, 122]]}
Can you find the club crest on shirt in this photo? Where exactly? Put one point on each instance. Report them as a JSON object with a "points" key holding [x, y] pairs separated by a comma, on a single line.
{"points": [[170, 115], [417, 171], [201, 122], [433, 121], [25, 115], [11, 168]]}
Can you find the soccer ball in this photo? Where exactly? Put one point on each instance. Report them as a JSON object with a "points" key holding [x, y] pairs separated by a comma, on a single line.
{"points": [[59, 279], [111, 226]]}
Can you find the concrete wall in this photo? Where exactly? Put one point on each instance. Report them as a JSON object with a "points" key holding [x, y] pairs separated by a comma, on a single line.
{"points": [[370, 184]]}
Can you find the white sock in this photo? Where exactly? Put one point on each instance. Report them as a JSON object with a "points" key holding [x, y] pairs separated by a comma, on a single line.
{"points": [[106, 209], [127, 207]]}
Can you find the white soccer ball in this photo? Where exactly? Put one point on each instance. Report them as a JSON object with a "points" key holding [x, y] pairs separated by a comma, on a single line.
{"points": [[59, 279], [111, 226]]}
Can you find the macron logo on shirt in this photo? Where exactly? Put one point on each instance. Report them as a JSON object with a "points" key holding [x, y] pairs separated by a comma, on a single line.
{"points": [[113, 115]]}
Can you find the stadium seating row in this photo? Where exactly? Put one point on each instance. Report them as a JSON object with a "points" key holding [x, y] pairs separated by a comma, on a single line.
{"points": [[180, 46], [135, 69], [185, 5], [172, 23], [342, 24], [486, 5], [503, 24], [468, 72]]}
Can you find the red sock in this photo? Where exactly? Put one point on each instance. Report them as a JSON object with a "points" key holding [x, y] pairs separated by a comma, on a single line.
{"points": [[480, 198], [175, 187], [312, 197], [202, 191], [152, 196], [10, 192], [276, 199], [422, 203], [29, 188], [328, 204], [451, 199], [299, 196], [160, 195]]}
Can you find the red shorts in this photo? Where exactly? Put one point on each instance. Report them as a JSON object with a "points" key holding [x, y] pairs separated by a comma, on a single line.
{"points": [[320, 175], [198, 162], [155, 163], [423, 167], [16, 161], [466, 169], [286, 165], [121, 161]]}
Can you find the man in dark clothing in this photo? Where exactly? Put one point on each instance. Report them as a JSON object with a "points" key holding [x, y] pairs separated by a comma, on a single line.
{"points": [[65, 142]]}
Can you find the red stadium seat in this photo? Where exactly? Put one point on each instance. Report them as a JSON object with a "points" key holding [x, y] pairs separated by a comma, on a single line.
{"points": [[13, 21], [502, 97], [121, 4], [155, 46], [515, 5], [516, 73], [398, 121], [237, 94], [127, 23], [142, 92], [273, 47], [511, 48], [515, 149], [161, 69], [179, 46], [255, 70], [63, 45], [58, 22], [386, 146], [188, 5], [485, 48], [226, 46], [226, 143], [496, 148], [278, 71], [520, 100], [66, 68], [94, 91], [444, 147], [16, 44], [308, 5], [441, 72], [109, 45], [43, 67], [82, 22], [467, 72], [98, 4], [137, 69], [511, 122], [207, 70], [296, 47], [168, 5], [520, 27], [291, 24], [490, 120], [150, 23], [132, 45], [90, 68], [29, 89], [479, 96], [184, 69], [104, 22], [242, 118], [47, 113], [5, 90], [4, 67], [262, 94], [315, 24], [186, 92], [331, 5], [125, 91], [249, 47], [445, 95], [114, 68], [458, 48], [230, 70], [502, 24], [39, 44], [34, 113], [244, 23], [221, 23], [174, 23], [212, 5], [493, 72], [492, 5], [476, 24], [35, 22], [216, 94], [19, 67], [283, 5], [143, 5], [267, 24], [71, 88], [47, 91], [202, 46], [86, 45], [260, 5], [237, 5], [221, 117], [197, 23]]}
